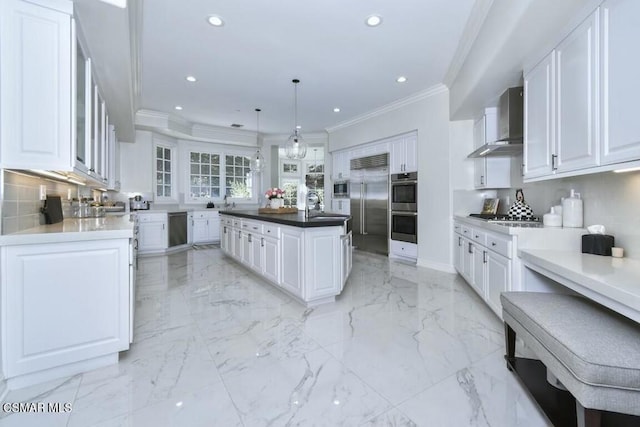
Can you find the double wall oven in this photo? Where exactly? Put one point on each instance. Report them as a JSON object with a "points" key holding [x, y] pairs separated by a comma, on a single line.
{"points": [[404, 207]]}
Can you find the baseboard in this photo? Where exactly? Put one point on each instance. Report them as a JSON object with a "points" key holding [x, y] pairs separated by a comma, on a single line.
{"points": [[447, 268]]}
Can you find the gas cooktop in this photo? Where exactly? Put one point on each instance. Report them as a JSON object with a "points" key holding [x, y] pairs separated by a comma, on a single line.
{"points": [[511, 221]]}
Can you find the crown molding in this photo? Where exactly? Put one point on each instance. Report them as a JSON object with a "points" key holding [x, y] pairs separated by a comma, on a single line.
{"points": [[416, 97], [478, 15], [176, 127]]}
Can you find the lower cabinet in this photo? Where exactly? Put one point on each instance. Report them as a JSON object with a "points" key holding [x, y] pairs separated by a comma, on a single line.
{"points": [[311, 264], [153, 234], [484, 260], [292, 260], [72, 305], [205, 227]]}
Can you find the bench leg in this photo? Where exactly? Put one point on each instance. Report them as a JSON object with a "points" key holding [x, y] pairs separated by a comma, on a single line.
{"points": [[587, 417], [510, 344]]}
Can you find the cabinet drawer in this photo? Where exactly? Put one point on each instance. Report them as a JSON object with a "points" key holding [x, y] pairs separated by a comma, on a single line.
{"points": [[404, 249], [236, 223], [252, 227], [204, 214], [499, 244], [465, 231], [148, 217], [226, 220], [457, 228], [479, 236], [271, 230]]}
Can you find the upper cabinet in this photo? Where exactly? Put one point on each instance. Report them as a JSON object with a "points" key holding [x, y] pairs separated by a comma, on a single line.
{"points": [[489, 172], [620, 85], [579, 100], [340, 167], [404, 154], [37, 49]]}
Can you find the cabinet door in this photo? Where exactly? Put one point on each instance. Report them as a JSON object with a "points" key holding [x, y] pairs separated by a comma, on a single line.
{"points": [[576, 109], [271, 256], [458, 249], [224, 243], [538, 119], [480, 164], [323, 264], [411, 153], [83, 110], [37, 48], [153, 236], [246, 253], [397, 154], [498, 275], [237, 244], [257, 259], [200, 230], [467, 260], [213, 225], [478, 259], [620, 85], [72, 304], [291, 260]]}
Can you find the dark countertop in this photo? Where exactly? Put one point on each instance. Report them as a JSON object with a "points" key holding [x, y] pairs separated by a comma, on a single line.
{"points": [[295, 219]]}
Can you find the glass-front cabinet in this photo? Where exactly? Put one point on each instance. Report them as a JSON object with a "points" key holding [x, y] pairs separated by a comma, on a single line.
{"points": [[83, 110]]}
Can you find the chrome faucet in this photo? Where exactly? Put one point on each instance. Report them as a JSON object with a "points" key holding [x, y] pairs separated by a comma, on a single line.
{"points": [[227, 204]]}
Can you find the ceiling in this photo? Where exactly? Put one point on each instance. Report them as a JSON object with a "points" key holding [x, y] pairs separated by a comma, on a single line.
{"points": [[250, 61]]}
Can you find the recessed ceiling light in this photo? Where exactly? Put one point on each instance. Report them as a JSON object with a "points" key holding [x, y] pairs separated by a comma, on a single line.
{"points": [[215, 20], [178, 107], [401, 79], [191, 79], [373, 20], [336, 110], [298, 127]]}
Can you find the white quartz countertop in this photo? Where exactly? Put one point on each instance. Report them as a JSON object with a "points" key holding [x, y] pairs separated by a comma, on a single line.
{"points": [[612, 282], [74, 229]]}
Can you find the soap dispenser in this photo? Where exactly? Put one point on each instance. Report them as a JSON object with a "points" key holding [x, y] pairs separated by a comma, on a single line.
{"points": [[572, 210]]}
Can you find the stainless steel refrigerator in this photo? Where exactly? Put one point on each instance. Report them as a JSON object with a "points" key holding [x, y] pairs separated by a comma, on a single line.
{"points": [[369, 184]]}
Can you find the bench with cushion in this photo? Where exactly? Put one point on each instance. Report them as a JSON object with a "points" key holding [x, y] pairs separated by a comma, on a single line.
{"points": [[593, 351]]}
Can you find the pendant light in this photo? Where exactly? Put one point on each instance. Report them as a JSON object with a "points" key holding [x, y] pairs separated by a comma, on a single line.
{"points": [[257, 161], [295, 147]]}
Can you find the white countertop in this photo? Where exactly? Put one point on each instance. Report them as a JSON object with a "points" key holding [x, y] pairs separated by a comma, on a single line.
{"points": [[74, 229], [612, 282]]}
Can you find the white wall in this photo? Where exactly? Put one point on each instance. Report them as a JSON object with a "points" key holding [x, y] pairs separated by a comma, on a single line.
{"points": [[136, 164], [430, 117], [610, 199]]}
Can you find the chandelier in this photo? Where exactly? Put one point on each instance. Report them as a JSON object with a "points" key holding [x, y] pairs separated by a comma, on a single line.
{"points": [[295, 147], [257, 161]]}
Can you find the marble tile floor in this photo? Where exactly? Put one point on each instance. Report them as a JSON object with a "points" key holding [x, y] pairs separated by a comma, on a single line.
{"points": [[215, 345]]}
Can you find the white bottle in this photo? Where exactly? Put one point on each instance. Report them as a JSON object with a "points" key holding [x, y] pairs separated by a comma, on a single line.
{"points": [[572, 210], [552, 219]]}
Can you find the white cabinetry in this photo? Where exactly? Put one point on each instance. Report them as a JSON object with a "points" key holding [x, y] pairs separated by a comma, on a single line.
{"points": [[205, 226], [37, 48], [340, 165], [539, 118], [576, 110], [579, 101], [620, 85], [66, 303], [311, 263], [484, 259], [153, 233], [404, 154], [341, 206], [292, 260], [489, 172]]}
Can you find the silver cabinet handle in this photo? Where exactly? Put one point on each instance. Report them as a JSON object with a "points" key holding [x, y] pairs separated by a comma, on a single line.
{"points": [[262, 242], [225, 230], [459, 241], [249, 238], [484, 257], [493, 243], [481, 179], [470, 250], [554, 160]]}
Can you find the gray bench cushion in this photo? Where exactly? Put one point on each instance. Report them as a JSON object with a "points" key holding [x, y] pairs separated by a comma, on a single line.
{"points": [[599, 347]]}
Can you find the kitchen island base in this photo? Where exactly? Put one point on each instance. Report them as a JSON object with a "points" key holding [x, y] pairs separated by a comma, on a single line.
{"points": [[309, 260]]}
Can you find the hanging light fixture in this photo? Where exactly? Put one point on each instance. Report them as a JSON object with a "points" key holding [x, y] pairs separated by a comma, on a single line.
{"points": [[295, 147], [257, 161]]}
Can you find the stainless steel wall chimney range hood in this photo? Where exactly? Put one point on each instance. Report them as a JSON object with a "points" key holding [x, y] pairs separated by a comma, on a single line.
{"points": [[510, 120]]}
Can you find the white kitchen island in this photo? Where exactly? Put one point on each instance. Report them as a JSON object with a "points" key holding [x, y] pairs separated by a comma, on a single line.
{"points": [[67, 294], [308, 258]]}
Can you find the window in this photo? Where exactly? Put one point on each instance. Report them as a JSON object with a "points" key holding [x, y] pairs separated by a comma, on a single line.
{"points": [[238, 177], [204, 176], [163, 172], [290, 187]]}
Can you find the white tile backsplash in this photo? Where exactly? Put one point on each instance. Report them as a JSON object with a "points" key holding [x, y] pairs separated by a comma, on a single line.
{"points": [[21, 200], [610, 199]]}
